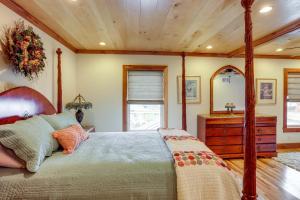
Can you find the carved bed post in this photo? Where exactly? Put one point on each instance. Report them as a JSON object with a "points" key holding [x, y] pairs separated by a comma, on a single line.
{"points": [[59, 83], [183, 94], [249, 187]]}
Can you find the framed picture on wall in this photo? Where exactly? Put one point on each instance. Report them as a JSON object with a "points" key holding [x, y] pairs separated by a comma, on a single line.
{"points": [[192, 89], [266, 91]]}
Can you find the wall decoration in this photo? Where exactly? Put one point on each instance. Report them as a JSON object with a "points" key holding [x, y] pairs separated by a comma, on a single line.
{"points": [[266, 91], [23, 49], [192, 89]]}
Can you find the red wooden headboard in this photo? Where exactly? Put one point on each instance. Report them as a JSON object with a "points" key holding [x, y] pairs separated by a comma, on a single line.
{"points": [[22, 102]]}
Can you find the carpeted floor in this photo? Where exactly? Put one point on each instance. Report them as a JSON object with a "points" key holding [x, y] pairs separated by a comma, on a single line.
{"points": [[291, 159]]}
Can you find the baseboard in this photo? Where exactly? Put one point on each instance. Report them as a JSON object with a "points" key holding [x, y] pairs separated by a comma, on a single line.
{"points": [[288, 145]]}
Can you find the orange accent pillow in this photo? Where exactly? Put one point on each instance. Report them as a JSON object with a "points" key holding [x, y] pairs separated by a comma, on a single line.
{"points": [[70, 138]]}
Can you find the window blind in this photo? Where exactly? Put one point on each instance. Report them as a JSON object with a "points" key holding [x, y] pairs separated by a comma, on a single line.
{"points": [[145, 87], [293, 87]]}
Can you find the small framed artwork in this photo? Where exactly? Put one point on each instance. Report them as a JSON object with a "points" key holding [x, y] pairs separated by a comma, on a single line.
{"points": [[192, 89], [266, 91]]}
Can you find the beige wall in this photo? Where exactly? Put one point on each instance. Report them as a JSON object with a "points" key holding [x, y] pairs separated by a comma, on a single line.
{"points": [[100, 81], [46, 83]]}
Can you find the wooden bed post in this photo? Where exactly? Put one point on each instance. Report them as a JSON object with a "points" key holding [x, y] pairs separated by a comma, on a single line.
{"points": [[249, 182], [59, 83], [183, 94]]}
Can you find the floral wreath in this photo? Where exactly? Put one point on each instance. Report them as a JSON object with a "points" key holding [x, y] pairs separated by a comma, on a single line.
{"points": [[24, 50]]}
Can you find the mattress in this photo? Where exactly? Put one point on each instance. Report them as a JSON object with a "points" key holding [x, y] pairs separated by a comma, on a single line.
{"points": [[109, 165]]}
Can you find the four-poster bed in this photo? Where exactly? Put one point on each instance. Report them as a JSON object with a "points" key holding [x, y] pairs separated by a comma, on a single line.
{"points": [[112, 165], [249, 183], [184, 126], [249, 178], [59, 81]]}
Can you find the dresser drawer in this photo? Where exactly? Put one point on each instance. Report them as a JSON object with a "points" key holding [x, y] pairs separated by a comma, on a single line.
{"points": [[224, 131], [226, 149], [266, 130], [265, 139], [224, 140], [263, 121], [265, 147]]}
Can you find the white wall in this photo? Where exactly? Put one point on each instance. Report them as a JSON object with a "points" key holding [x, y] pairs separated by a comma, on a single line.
{"points": [[46, 83], [100, 81]]}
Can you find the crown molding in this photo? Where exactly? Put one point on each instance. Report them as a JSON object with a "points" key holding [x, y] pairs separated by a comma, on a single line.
{"points": [[170, 53], [128, 52]]}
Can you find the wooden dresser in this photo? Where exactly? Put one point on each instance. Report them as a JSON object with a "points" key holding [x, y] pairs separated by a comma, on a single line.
{"points": [[224, 134]]}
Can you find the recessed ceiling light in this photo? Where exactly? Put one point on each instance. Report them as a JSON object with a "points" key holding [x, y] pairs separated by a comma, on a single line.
{"points": [[102, 43], [279, 49], [265, 9], [209, 47]]}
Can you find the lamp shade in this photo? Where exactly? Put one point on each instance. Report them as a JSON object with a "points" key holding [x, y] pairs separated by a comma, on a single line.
{"points": [[79, 103]]}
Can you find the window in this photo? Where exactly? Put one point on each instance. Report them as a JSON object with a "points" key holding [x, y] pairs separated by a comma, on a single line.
{"points": [[144, 97], [291, 119]]}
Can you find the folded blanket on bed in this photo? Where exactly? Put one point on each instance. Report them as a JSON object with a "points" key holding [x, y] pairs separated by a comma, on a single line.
{"points": [[201, 174]]}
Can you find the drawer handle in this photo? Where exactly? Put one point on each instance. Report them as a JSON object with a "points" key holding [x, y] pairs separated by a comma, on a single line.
{"points": [[259, 139]]}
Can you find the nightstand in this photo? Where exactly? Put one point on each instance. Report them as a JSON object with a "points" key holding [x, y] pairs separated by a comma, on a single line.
{"points": [[89, 128]]}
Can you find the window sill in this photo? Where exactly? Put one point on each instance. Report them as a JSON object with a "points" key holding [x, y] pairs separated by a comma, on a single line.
{"points": [[291, 129]]}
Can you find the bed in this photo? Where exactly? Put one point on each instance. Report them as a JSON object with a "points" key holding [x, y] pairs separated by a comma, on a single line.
{"points": [[110, 165], [12, 182], [106, 166]]}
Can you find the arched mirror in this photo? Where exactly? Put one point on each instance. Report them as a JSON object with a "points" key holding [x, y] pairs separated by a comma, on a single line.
{"points": [[227, 91]]}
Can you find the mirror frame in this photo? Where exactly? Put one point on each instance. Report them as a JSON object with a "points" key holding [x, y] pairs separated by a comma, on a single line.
{"points": [[212, 91]]}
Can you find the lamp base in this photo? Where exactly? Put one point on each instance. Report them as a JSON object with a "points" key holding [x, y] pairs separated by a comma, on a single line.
{"points": [[79, 116]]}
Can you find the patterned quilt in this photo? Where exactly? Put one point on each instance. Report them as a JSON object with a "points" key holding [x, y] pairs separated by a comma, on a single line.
{"points": [[201, 174]]}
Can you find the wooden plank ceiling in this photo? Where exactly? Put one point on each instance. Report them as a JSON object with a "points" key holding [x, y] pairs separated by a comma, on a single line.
{"points": [[166, 25]]}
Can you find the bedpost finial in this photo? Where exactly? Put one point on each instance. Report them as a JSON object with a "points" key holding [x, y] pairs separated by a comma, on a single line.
{"points": [[247, 3], [58, 51]]}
